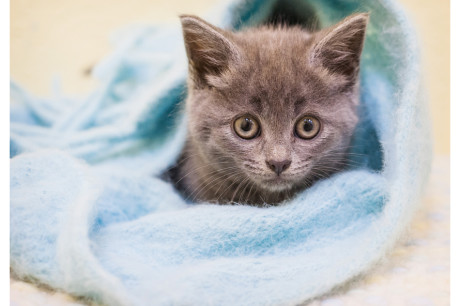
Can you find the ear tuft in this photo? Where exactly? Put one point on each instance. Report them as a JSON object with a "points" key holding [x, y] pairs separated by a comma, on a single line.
{"points": [[339, 47], [209, 49]]}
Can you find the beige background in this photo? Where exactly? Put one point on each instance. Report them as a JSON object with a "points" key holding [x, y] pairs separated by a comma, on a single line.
{"points": [[51, 38]]}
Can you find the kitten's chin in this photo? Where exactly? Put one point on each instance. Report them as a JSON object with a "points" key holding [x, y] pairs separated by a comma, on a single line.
{"points": [[276, 185]]}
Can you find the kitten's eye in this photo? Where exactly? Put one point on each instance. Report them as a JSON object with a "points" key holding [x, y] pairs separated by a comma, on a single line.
{"points": [[246, 127], [307, 127]]}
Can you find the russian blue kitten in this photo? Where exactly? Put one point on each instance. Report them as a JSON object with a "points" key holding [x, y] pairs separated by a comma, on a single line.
{"points": [[270, 110]]}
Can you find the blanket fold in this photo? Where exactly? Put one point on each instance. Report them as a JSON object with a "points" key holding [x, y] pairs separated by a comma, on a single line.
{"points": [[90, 215]]}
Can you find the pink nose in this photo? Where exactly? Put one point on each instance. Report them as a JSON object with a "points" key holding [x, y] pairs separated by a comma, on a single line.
{"points": [[278, 166]]}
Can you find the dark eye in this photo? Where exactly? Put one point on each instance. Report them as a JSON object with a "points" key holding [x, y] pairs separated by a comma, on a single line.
{"points": [[246, 127], [307, 127]]}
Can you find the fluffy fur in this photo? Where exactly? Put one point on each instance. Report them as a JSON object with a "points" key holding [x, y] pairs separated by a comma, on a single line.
{"points": [[277, 74]]}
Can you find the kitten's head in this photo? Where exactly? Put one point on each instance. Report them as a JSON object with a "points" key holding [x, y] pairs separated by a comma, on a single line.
{"points": [[278, 104]]}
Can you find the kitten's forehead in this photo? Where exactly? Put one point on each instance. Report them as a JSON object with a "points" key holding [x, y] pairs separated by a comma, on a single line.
{"points": [[274, 69], [285, 50]]}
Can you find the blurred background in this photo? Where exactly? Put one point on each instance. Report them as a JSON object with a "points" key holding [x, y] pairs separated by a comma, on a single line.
{"points": [[63, 38]]}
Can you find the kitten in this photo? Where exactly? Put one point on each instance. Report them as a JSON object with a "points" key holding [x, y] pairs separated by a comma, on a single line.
{"points": [[270, 110]]}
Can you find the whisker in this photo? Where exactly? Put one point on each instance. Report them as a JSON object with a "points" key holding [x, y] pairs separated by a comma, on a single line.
{"points": [[238, 187], [196, 169], [242, 191], [249, 193], [223, 192], [206, 182]]}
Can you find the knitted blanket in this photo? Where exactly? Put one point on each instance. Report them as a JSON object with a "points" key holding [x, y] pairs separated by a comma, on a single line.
{"points": [[89, 214]]}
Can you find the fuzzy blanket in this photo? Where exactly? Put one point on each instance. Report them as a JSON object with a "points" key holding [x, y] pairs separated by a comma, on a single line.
{"points": [[90, 216]]}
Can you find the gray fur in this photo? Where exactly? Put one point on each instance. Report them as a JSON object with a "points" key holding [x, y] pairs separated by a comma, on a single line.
{"points": [[277, 74]]}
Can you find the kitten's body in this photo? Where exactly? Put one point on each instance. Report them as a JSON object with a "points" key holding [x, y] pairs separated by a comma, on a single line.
{"points": [[273, 76]]}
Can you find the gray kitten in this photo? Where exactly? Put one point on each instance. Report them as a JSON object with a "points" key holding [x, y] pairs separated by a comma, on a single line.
{"points": [[270, 110]]}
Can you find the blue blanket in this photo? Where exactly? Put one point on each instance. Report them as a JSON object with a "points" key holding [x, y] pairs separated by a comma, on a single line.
{"points": [[90, 216]]}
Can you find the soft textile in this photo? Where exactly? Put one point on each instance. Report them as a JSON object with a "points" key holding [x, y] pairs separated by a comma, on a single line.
{"points": [[90, 215]]}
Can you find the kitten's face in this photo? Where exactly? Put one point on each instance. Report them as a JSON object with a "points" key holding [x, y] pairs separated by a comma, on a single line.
{"points": [[266, 106]]}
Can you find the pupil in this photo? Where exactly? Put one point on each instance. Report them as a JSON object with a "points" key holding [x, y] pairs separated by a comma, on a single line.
{"points": [[246, 125], [308, 125]]}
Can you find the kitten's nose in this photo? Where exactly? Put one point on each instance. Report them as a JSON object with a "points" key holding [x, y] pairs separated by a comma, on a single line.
{"points": [[278, 166]]}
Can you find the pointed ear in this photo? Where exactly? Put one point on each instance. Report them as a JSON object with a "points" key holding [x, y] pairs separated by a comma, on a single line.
{"points": [[339, 47], [209, 49]]}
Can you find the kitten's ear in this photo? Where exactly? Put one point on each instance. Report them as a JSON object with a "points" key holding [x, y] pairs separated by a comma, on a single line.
{"points": [[209, 49], [339, 47]]}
